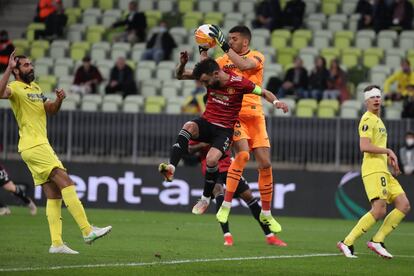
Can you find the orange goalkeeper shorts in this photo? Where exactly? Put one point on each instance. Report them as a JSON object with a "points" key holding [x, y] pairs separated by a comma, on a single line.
{"points": [[252, 128]]}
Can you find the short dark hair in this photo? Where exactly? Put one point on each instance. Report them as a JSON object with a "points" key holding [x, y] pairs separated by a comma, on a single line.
{"points": [[86, 59], [17, 59], [369, 87], [243, 30], [409, 132], [207, 66]]}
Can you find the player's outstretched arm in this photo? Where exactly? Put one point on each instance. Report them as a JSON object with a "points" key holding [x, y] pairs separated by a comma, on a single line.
{"points": [[271, 98], [52, 108], [4, 91], [180, 72], [241, 63]]}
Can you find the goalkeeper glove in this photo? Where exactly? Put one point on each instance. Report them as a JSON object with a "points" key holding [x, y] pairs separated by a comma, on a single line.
{"points": [[218, 35]]}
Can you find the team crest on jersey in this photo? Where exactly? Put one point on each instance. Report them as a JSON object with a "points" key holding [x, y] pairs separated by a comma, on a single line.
{"points": [[231, 90], [219, 96], [364, 128]]}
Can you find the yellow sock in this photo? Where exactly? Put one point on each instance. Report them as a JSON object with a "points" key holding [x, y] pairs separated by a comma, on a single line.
{"points": [[390, 223], [54, 217], [75, 208], [364, 223]]}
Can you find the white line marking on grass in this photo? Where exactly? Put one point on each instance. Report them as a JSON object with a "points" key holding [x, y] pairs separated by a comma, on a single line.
{"points": [[172, 262]]}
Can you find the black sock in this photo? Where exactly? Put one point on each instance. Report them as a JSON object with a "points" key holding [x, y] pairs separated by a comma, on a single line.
{"points": [[256, 209], [20, 193], [224, 226], [180, 147], [210, 180]]}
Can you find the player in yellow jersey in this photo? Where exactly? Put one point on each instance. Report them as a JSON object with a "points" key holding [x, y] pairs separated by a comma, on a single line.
{"points": [[30, 107], [250, 130], [380, 185]]}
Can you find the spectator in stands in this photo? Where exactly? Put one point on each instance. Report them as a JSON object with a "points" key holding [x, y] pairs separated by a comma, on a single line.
{"points": [[44, 9], [403, 77], [381, 15], [408, 104], [160, 45], [121, 79], [407, 153], [295, 82], [135, 23], [337, 81], [6, 48], [55, 20], [401, 15], [87, 78], [365, 9], [318, 80], [293, 14], [268, 15], [194, 104]]}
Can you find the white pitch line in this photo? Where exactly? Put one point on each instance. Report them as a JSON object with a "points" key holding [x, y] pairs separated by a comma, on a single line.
{"points": [[173, 262]]}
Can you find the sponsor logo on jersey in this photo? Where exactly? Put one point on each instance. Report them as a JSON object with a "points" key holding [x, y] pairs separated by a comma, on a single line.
{"points": [[35, 97], [236, 78]]}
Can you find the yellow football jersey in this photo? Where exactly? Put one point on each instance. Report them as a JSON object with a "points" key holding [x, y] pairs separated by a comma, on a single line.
{"points": [[372, 127], [27, 104]]}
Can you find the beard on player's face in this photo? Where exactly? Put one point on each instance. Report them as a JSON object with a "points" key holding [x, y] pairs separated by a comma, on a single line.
{"points": [[215, 84], [27, 77]]}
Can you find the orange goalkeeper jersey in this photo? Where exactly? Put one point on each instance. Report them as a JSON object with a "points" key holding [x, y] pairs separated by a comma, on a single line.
{"points": [[252, 104]]}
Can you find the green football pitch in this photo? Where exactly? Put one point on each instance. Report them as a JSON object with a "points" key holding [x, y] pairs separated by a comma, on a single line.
{"points": [[144, 243]]}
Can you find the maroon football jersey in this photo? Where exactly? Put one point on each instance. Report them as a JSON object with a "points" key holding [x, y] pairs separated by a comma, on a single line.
{"points": [[224, 104]]}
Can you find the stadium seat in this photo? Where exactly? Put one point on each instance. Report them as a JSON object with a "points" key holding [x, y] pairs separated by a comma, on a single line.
{"points": [[301, 38], [350, 57], [65, 82], [120, 49], [334, 104], [105, 67], [185, 6], [246, 6], [364, 39], [109, 107], [89, 106], [192, 19], [226, 6], [322, 38], [109, 17], [406, 40], [392, 114], [138, 99], [329, 54], [85, 4], [326, 112], [213, 18], [100, 50], [123, 4], [173, 108], [114, 98], [169, 92], [379, 73], [337, 22], [21, 46], [343, 39], [73, 15], [47, 83], [42, 65], [348, 7], [160, 100], [73, 97], [393, 57], [311, 103], [38, 49], [58, 48], [75, 32], [143, 73], [91, 16], [179, 34], [32, 28], [285, 56], [205, 6], [105, 4], [68, 106], [63, 67], [94, 33], [279, 38], [316, 21], [130, 107], [386, 39], [95, 98], [349, 113], [329, 7], [152, 108], [372, 57], [153, 17], [304, 112]]}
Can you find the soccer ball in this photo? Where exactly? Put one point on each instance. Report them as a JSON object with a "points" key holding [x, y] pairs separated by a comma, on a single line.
{"points": [[202, 38]]}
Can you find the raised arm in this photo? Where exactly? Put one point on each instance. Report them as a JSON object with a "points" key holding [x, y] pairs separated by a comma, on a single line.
{"points": [[180, 72], [52, 108], [271, 98], [241, 63], [5, 92]]}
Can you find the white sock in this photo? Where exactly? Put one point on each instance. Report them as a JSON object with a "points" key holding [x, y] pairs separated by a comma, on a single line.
{"points": [[226, 204], [227, 234], [205, 198], [266, 213]]}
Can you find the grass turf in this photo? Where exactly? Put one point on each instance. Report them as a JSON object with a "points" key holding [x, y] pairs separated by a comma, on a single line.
{"points": [[154, 237]]}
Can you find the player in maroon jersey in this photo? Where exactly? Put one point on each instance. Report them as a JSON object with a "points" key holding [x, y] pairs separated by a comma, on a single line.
{"points": [[225, 92], [243, 191]]}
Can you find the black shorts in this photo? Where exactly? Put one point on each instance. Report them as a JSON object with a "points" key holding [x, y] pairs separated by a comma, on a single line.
{"points": [[4, 177], [218, 137], [241, 188]]}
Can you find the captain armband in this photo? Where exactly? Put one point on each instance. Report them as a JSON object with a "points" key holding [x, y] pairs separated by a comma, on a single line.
{"points": [[257, 90]]}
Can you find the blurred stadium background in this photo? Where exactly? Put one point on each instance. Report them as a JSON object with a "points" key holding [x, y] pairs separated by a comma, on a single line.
{"points": [[112, 145]]}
